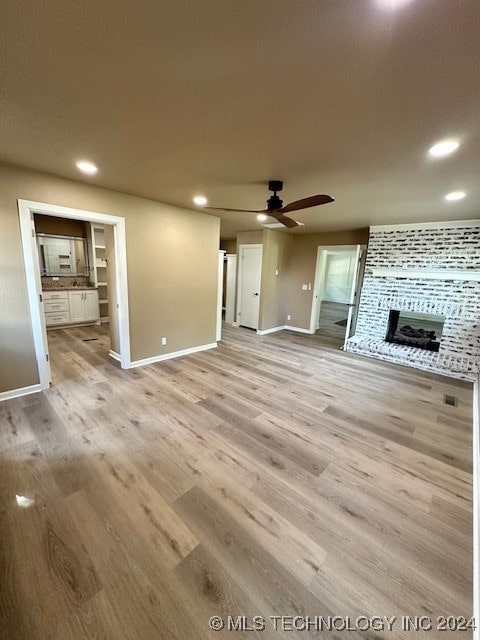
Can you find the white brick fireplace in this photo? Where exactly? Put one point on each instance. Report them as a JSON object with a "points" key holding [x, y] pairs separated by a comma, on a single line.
{"points": [[429, 268]]}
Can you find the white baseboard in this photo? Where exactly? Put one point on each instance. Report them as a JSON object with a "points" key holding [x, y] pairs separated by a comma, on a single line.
{"points": [[23, 391], [265, 331], [234, 324], [169, 356], [476, 507], [115, 355], [299, 329]]}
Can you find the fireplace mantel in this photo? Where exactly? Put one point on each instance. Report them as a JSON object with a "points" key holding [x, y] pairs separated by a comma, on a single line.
{"points": [[427, 274]]}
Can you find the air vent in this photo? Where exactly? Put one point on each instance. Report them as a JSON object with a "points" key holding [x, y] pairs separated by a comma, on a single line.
{"points": [[451, 400]]}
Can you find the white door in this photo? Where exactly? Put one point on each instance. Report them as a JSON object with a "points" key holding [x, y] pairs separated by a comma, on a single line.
{"points": [[249, 289], [354, 296], [231, 286], [77, 306], [92, 310]]}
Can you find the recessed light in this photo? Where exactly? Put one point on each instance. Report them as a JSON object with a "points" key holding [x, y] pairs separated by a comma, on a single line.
{"points": [[87, 167], [443, 148], [201, 201], [261, 217], [393, 4], [455, 195]]}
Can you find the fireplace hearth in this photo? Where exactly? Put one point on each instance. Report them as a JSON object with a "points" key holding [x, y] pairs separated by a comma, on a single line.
{"points": [[419, 330]]}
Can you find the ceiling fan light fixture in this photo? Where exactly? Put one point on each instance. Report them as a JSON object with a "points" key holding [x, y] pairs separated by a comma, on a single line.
{"points": [[200, 201], [261, 217]]}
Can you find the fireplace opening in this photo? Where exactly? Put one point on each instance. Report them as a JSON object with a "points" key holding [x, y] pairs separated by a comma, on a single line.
{"points": [[421, 330]]}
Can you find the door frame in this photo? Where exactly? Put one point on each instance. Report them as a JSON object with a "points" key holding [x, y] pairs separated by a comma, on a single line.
{"points": [[241, 249], [26, 210], [218, 330], [319, 281], [231, 288]]}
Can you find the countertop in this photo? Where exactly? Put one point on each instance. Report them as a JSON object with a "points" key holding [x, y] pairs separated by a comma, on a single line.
{"points": [[79, 288]]}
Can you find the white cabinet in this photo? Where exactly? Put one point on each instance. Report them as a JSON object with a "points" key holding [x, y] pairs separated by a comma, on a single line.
{"points": [[70, 307], [76, 301], [92, 309], [83, 306]]}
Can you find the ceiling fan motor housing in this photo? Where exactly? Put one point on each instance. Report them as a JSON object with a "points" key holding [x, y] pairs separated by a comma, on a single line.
{"points": [[275, 185], [274, 202]]}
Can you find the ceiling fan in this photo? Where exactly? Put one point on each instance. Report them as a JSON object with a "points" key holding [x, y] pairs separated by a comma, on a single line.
{"points": [[275, 208]]}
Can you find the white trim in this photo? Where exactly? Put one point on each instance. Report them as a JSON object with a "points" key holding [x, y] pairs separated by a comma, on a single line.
{"points": [[447, 224], [115, 355], [34, 290], [22, 391], [173, 354], [354, 295], [265, 331], [220, 268], [26, 210], [427, 274], [241, 248], [299, 329], [476, 507], [230, 287]]}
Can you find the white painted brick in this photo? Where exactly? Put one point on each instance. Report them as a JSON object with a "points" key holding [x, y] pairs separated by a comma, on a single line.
{"points": [[457, 300]]}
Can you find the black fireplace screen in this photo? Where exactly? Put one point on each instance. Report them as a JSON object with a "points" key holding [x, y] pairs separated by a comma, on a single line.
{"points": [[421, 330]]}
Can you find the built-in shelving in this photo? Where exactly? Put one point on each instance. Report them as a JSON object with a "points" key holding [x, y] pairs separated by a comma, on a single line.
{"points": [[100, 268]]}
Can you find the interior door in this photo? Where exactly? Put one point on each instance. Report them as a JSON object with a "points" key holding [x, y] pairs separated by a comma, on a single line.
{"points": [[250, 277], [354, 295]]}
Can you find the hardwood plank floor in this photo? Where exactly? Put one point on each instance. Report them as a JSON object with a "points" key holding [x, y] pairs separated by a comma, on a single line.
{"points": [[275, 475]]}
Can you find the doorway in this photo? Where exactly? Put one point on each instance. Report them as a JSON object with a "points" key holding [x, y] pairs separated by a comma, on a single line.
{"points": [[338, 278], [42, 305], [249, 280]]}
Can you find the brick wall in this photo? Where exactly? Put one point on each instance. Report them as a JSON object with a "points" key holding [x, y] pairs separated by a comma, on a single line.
{"points": [[457, 300]]}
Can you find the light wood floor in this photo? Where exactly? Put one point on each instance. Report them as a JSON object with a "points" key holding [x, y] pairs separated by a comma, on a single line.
{"points": [[331, 313], [270, 476]]}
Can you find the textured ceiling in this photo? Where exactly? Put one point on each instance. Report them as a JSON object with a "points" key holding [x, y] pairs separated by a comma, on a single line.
{"points": [[175, 98]]}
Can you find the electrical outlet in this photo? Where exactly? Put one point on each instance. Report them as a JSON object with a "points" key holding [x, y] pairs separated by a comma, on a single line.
{"points": [[289, 317], [164, 342], [276, 272]]}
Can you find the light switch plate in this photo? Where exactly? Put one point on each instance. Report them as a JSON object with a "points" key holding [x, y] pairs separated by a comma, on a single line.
{"points": [[305, 287]]}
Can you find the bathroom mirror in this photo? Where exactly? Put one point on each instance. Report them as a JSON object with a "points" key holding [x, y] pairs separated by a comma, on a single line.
{"points": [[62, 255]]}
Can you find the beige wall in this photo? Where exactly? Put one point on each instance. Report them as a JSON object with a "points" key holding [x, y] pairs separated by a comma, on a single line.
{"points": [[229, 246], [172, 257], [250, 237], [302, 269], [277, 248]]}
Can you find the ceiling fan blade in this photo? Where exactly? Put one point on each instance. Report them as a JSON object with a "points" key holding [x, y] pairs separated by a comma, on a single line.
{"points": [[239, 210], [287, 222], [305, 203]]}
